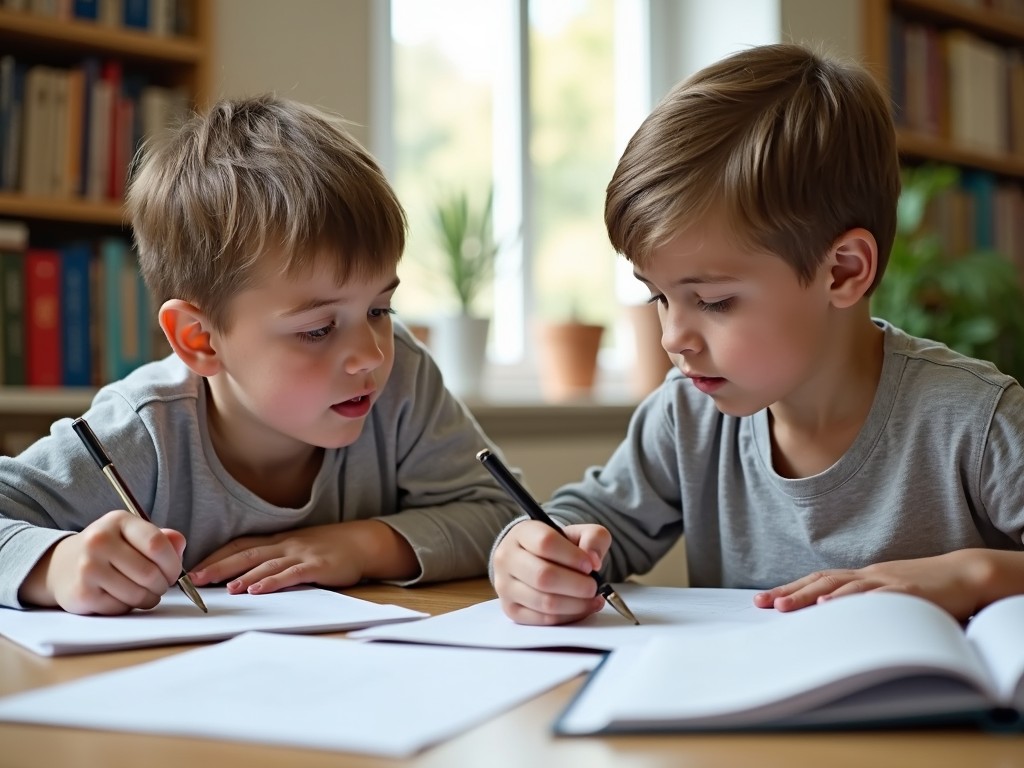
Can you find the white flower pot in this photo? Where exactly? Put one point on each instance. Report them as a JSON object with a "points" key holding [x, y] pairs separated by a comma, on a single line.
{"points": [[459, 344]]}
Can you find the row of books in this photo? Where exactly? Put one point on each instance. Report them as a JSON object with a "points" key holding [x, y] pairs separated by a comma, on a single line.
{"points": [[980, 214], [76, 315], [71, 132], [158, 17], [955, 85]]}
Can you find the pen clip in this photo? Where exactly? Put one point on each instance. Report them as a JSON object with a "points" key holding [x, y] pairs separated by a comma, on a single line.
{"points": [[91, 442]]}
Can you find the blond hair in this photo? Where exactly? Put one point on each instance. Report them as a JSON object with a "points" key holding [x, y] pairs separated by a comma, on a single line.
{"points": [[251, 178], [793, 147]]}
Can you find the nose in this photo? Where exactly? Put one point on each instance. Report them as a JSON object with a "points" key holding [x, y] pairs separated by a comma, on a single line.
{"points": [[679, 334], [362, 349]]}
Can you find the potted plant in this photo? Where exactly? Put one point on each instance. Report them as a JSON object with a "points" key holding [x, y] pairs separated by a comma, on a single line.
{"points": [[567, 357], [465, 238], [972, 302]]}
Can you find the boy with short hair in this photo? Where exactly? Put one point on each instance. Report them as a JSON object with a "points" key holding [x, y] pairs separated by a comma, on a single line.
{"points": [[295, 435], [801, 447]]}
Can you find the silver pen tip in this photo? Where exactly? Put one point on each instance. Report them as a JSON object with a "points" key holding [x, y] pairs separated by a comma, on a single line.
{"points": [[619, 605]]}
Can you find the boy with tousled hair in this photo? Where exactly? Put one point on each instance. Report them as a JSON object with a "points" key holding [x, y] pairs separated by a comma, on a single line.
{"points": [[803, 448], [295, 435]]}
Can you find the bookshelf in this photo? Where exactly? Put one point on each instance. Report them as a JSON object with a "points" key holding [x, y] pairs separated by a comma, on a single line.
{"points": [[996, 23], [162, 46]]}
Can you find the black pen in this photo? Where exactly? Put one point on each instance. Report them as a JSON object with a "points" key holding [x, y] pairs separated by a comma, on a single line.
{"points": [[92, 443], [529, 505]]}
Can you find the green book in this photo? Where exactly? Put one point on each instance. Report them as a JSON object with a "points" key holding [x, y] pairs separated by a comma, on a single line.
{"points": [[13, 241]]}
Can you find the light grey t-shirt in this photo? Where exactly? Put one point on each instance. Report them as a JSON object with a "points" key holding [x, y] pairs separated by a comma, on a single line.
{"points": [[414, 466], [935, 468]]}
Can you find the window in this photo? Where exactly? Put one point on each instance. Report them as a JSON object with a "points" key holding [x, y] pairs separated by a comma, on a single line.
{"points": [[522, 95]]}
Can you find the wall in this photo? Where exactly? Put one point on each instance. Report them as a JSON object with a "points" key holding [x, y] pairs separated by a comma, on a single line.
{"points": [[315, 51]]}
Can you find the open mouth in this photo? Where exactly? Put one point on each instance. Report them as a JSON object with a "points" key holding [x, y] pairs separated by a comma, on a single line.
{"points": [[354, 407]]}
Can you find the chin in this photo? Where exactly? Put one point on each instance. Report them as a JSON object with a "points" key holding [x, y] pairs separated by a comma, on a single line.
{"points": [[738, 410]]}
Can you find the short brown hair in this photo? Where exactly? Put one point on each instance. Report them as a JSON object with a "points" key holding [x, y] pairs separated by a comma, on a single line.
{"points": [[795, 148], [253, 176]]}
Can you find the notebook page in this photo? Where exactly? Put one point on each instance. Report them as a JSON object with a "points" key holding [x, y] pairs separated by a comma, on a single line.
{"points": [[997, 633]]}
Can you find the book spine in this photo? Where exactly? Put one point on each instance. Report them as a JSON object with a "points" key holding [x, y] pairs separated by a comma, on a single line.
{"points": [[75, 308], [12, 287], [112, 254], [42, 305], [136, 13], [85, 9]]}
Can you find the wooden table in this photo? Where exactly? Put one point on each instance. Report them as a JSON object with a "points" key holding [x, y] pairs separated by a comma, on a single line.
{"points": [[518, 738]]}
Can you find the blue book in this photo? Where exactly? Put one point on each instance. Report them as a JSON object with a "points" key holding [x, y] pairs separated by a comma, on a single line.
{"points": [[127, 336], [85, 9], [75, 308], [136, 13], [981, 186]]}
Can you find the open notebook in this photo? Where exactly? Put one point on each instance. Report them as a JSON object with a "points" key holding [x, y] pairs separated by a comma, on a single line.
{"points": [[865, 660], [175, 620]]}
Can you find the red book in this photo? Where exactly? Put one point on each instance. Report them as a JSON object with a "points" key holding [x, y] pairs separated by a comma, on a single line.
{"points": [[42, 313]]}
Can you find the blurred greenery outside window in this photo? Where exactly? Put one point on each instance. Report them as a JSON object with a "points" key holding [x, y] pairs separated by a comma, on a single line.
{"points": [[454, 114]]}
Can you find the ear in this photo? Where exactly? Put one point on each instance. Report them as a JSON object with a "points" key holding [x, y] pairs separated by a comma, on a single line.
{"points": [[852, 266], [189, 334]]}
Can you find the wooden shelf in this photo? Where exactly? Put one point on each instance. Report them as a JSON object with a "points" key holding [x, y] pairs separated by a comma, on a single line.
{"points": [[72, 36], [989, 22], [920, 147], [45, 401], [107, 212]]}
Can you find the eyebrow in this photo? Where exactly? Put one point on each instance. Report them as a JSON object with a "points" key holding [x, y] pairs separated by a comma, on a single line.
{"points": [[694, 280], [312, 304]]}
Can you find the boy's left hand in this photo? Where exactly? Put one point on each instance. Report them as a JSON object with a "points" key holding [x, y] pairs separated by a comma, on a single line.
{"points": [[336, 555], [961, 582]]}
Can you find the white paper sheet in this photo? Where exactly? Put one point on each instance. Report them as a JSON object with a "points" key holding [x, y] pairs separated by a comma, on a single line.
{"points": [[320, 693], [659, 609], [176, 620]]}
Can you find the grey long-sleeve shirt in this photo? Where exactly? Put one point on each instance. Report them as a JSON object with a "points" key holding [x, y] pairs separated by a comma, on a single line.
{"points": [[936, 467], [413, 466]]}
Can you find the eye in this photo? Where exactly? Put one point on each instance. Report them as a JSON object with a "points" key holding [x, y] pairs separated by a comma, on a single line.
{"points": [[381, 312], [716, 306], [316, 335], [658, 298]]}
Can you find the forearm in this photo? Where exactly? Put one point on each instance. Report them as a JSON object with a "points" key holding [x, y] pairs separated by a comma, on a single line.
{"points": [[22, 548], [35, 589], [994, 574], [385, 554], [452, 541]]}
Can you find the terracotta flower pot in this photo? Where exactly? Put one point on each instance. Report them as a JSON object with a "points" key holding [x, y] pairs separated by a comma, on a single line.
{"points": [[567, 357], [650, 361]]}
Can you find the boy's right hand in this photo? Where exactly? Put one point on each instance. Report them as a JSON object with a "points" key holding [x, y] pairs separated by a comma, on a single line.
{"points": [[117, 563], [542, 577]]}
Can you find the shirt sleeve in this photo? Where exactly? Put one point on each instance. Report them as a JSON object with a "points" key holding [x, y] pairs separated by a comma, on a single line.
{"points": [[636, 494], [1000, 478], [54, 488]]}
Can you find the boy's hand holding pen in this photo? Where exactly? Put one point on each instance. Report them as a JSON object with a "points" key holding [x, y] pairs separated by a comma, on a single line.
{"points": [[536, 512], [121, 589]]}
